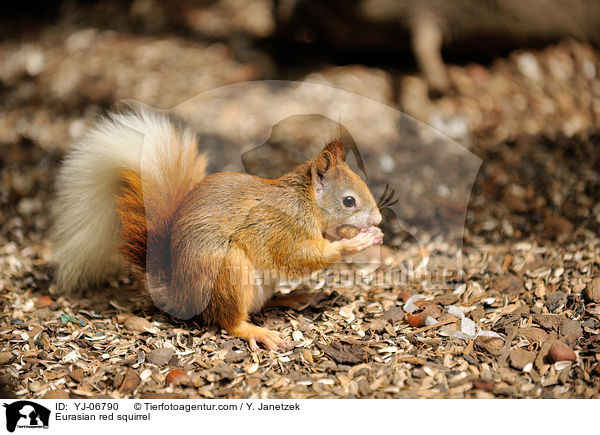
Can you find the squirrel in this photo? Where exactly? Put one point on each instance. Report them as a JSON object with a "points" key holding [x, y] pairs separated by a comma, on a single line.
{"points": [[133, 191]]}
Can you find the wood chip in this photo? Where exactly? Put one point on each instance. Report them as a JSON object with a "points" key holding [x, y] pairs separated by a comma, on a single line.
{"points": [[127, 381], [592, 290], [343, 353], [160, 356]]}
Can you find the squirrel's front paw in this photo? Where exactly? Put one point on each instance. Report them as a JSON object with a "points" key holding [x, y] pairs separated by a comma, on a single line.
{"points": [[377, 234], [367, 237]]}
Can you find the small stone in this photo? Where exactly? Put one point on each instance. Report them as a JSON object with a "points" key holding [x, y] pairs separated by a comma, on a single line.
{"points": [[561, 352], [178, 377], [160, 356], [592, 290], [43, 302]]}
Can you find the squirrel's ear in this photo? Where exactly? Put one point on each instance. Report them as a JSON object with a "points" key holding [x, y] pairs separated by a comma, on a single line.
{"points": [[328, 157], [319, 166], [322, 162], [336, 148]]}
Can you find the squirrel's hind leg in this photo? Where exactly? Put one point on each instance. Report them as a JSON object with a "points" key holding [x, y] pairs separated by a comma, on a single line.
{"points": [[237, 293]]}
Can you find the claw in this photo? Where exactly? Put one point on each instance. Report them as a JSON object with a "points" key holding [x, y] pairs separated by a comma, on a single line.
{"points": [[271, 340]]}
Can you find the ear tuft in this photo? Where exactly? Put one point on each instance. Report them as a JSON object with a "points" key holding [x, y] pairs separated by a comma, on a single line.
{"points": [[336, 148]]}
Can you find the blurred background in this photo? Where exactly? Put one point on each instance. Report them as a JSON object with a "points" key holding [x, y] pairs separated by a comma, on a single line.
{"points": [[517, 83]]}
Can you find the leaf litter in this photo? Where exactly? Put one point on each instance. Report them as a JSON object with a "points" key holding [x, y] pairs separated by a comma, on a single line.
{"points": [[522, 320]]}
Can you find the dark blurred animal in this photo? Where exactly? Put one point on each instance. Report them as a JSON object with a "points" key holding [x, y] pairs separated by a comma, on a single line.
{"points": [[473, 27]]}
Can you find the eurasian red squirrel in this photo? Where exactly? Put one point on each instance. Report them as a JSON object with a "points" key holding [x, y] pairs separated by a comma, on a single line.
{"points": [[134, 191]]}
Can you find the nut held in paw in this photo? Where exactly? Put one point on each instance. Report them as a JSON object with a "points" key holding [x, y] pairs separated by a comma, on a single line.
{"points": [[347, 231]]}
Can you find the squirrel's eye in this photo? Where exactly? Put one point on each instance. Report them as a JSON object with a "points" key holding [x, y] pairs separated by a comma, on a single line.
{"points": [[349, 201]]}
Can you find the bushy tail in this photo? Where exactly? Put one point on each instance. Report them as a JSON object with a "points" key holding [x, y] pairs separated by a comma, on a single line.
{"points": [[120, 185]]}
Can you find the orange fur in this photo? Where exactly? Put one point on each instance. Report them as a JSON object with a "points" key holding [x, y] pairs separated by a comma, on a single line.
{"points": [[200, 241]]}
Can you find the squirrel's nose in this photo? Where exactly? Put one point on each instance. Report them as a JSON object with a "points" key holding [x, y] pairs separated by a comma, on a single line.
{"points": [[375, 217]]}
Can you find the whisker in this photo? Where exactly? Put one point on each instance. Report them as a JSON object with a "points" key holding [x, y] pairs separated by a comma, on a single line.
{"points": [[385, 190], [387, 197], [389, 204]]}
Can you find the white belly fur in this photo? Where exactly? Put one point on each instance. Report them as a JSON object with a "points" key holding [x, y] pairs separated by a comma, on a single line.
{"points": [[262, 293]]}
